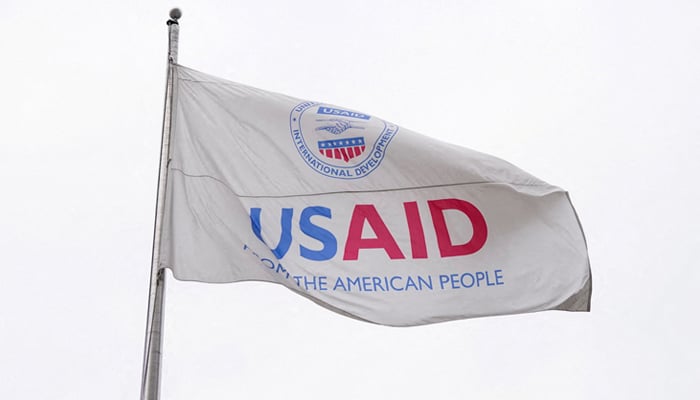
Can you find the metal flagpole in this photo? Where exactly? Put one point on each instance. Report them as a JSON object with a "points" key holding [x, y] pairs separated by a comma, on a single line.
{"points": [[150, 384]]}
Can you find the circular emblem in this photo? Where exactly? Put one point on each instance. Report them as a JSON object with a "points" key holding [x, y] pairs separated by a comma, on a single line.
{"points": [[339, 143]]}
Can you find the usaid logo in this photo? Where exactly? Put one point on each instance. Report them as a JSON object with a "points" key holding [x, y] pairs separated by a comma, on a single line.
{"points": [[366, 218], [339, 143]]}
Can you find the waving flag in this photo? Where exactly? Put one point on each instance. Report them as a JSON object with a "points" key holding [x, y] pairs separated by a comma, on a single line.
{"points": [[362, 216]]}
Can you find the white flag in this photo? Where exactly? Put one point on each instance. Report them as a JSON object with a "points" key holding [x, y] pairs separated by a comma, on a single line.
{"points": [[362, 216]]}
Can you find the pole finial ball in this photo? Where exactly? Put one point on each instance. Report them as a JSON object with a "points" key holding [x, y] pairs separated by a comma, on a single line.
{"points": [[175, 14]]}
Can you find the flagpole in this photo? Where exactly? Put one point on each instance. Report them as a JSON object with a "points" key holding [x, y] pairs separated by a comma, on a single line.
{"points": [[150, 384]]}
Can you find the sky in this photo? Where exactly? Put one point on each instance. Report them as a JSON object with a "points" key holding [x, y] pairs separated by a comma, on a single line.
{"points": [[600, 98]]}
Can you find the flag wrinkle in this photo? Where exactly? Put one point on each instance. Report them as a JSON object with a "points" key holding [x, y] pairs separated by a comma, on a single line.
{"points": [[446, 185]]}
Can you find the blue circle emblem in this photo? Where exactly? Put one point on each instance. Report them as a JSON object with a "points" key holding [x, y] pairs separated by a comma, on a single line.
{"points": [[339, 143]]}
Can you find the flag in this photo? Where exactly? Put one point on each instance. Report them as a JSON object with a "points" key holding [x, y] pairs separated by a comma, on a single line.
{"points": [[363, 217]]}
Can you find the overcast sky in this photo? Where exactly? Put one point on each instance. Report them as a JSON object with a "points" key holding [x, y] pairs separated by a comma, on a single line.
{"points": [[601, 98]]}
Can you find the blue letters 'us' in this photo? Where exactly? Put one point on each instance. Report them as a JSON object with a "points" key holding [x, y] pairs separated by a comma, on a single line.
{"points": [[308, 228]]}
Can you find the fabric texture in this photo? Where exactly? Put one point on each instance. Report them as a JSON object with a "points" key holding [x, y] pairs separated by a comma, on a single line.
{"points": [[362, 216]]}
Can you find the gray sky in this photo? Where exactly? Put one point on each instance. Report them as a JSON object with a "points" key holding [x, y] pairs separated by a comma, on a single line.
{"points": [[598, 97]]}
